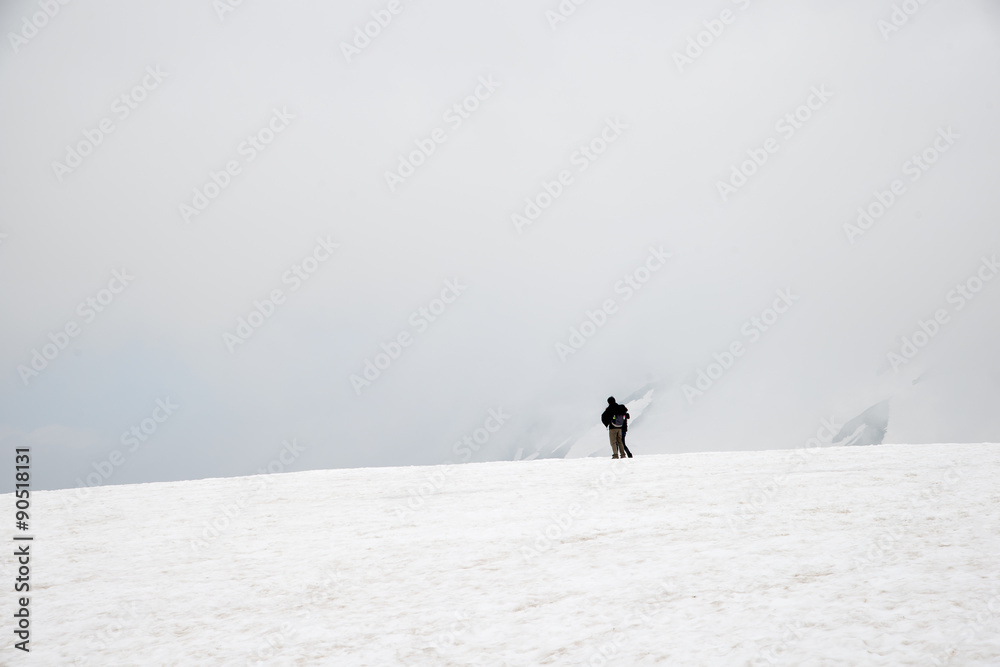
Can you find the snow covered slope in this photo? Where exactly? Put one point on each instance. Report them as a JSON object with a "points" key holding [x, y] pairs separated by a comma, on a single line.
{"points": [[841, 556]]}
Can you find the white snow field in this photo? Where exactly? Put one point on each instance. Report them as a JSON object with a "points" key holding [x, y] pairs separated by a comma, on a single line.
{"points": [[883, 555]]}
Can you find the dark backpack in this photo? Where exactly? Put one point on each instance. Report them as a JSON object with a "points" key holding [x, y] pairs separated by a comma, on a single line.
{"points": [[618, 420]]}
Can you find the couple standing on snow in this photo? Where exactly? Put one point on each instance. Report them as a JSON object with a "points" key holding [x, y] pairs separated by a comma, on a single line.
{"points": [[615, 417]]}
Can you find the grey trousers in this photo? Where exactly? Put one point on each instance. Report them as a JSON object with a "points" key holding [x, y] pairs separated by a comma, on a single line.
{"points": [[617, 444]]}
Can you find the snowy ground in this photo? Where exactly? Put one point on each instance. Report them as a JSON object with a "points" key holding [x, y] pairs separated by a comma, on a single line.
{"points": [[844, 556]]}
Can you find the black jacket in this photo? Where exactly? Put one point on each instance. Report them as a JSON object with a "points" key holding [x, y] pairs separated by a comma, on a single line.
{"points": [[616, 409]]}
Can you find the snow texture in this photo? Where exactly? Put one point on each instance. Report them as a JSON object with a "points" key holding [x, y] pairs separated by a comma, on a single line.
{"points": [[880, 555]]}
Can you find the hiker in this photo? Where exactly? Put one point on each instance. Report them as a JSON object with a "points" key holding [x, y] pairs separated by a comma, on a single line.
{"points": [[615, 417], [624, 433]]}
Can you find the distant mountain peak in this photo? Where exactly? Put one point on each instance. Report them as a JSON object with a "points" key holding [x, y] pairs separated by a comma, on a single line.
{"points": [[868, 428]]}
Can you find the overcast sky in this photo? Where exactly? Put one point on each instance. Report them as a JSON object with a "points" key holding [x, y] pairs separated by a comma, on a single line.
{"points": [[177, 164]]}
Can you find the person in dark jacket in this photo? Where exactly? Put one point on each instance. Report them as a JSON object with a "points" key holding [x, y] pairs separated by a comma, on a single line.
{"points": [[625, 444], [615, 417]]}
